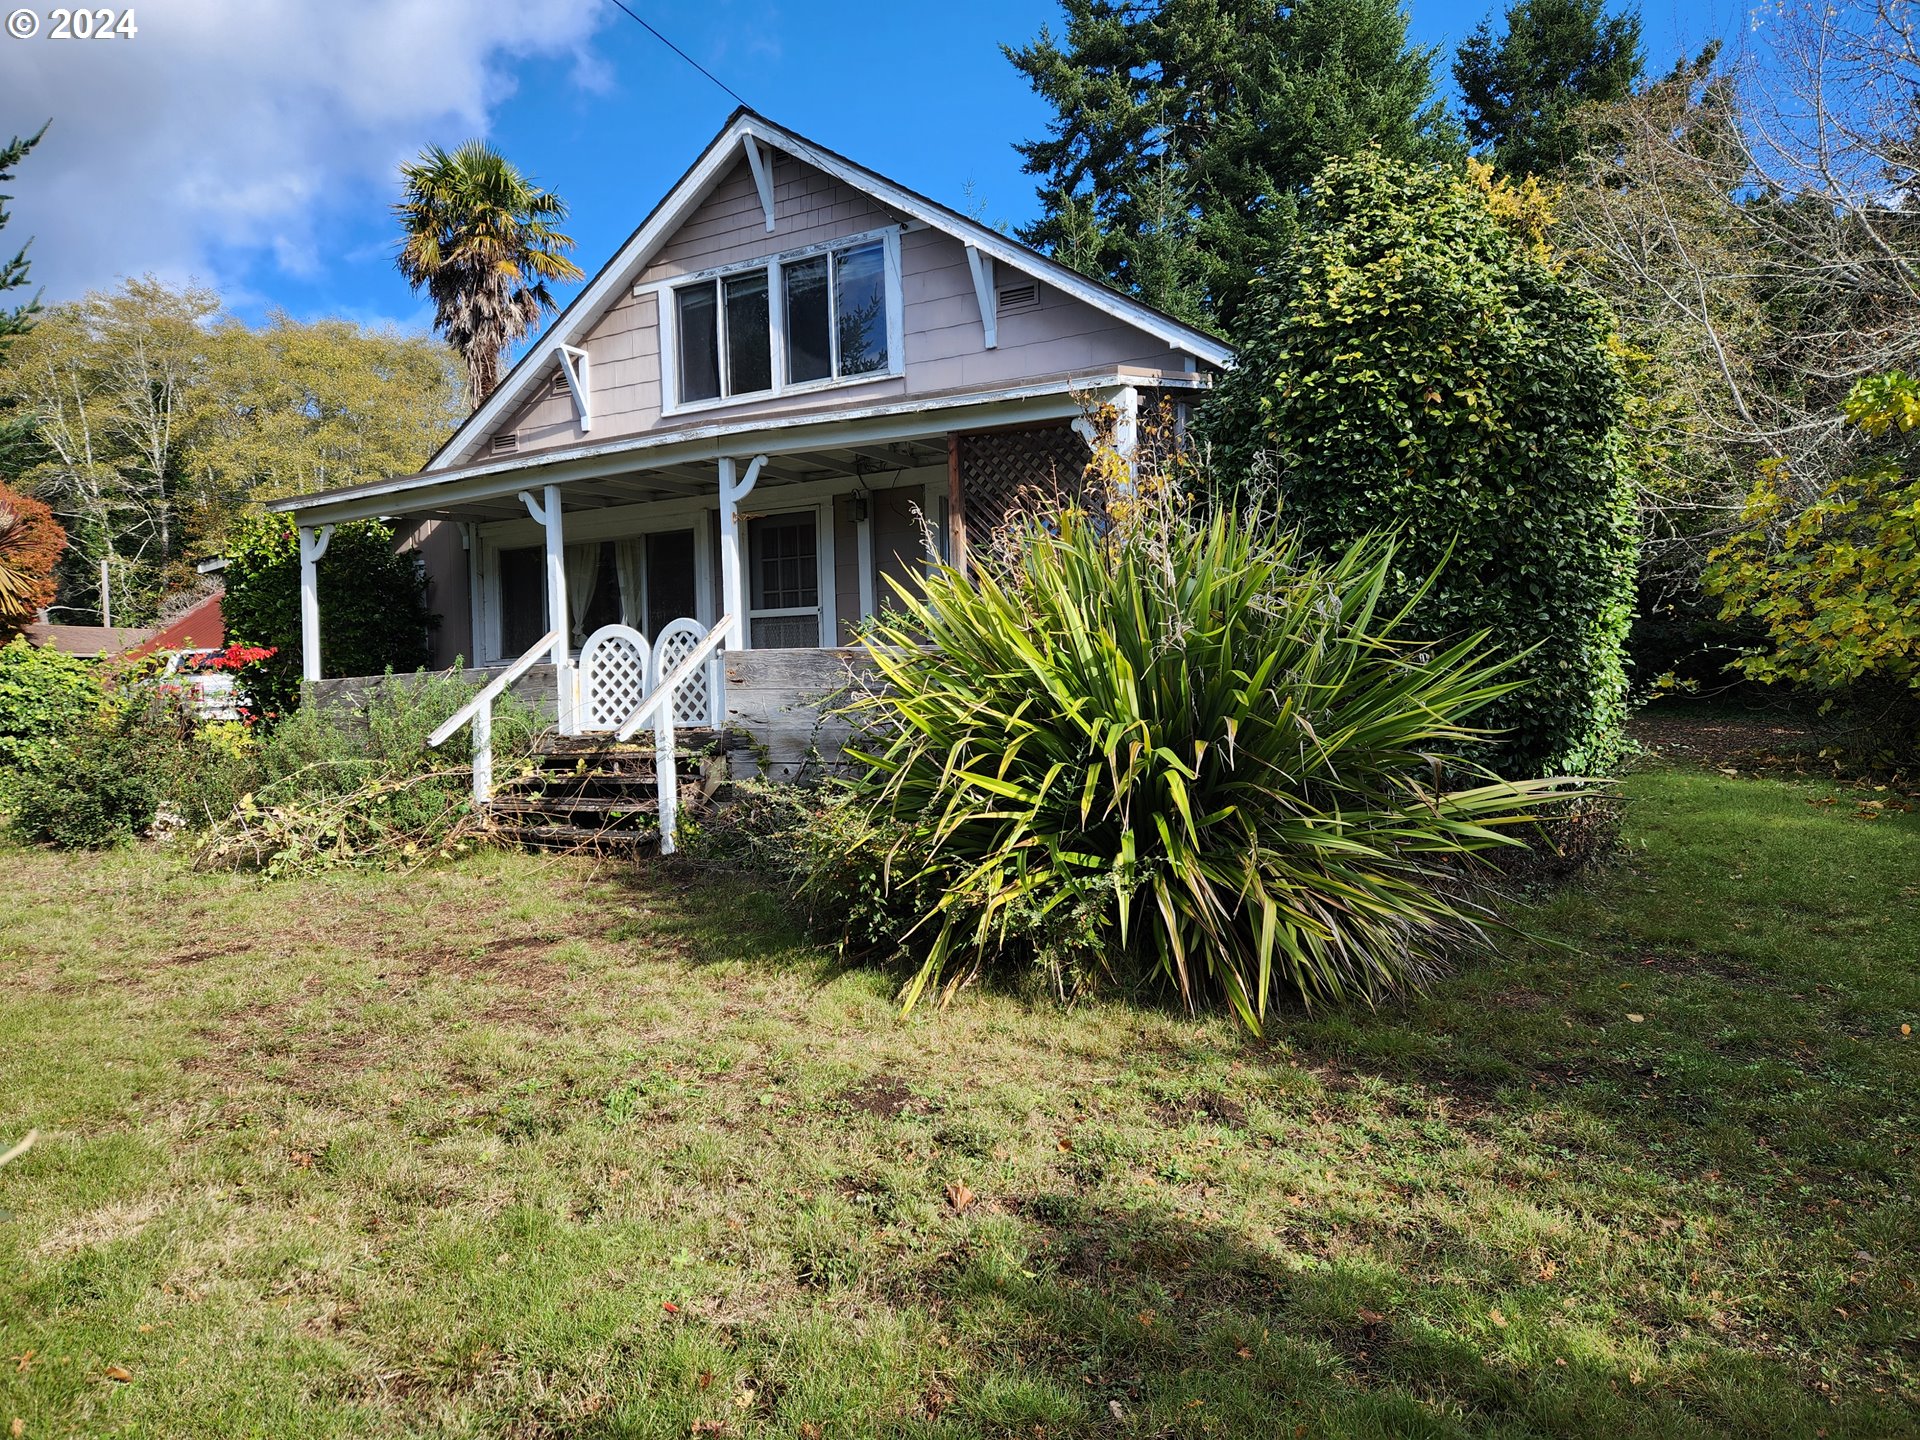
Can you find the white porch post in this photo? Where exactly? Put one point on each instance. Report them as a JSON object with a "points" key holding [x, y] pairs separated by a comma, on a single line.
{"points": [[733, 596], [313, 545], [546, 512]]}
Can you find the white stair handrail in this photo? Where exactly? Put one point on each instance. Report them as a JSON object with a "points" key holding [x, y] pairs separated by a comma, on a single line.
{"points": [[658, 706], [479, 710]]}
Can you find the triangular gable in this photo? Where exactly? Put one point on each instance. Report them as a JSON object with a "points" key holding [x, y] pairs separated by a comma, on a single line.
{"points": [[534, 373]]}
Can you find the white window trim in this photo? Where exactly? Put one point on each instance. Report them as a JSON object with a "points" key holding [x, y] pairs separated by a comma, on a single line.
{"points": [[825, 575], [667, 308]]}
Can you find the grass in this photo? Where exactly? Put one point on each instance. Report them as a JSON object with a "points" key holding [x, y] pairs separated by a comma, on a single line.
{"points": [[532, 1147]]}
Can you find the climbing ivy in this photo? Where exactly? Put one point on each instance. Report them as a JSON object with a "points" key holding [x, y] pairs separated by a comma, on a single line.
{"points": [[1418, 364]]}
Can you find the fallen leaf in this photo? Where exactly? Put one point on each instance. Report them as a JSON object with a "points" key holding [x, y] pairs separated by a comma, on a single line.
{"points": [[1244, 1353], [119, 1373], [959, 1196], [707, 1427], [1116, 1409], [146, 1329], [18, 1428], [1637, 1019], [706, 1378], [1146, 1318], [809, 1431], [1370, 1317], [1497, 1318], [25, 1360], [670, 1307], [1549, 1270], [1906, 1029], [1067, 1145]]}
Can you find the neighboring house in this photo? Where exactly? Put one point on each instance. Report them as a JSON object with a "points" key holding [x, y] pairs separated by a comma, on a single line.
{"points": [[743, 420], [200, 626], [88, 642]]}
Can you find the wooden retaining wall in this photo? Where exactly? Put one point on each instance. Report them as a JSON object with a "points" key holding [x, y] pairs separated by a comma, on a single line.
{"points": [[777, 700]]}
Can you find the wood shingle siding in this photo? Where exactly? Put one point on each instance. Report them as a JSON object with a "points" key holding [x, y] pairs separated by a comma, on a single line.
{"points": [[944, 342]]}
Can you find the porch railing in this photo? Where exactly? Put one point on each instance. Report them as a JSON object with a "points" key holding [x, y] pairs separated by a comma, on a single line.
{"points": [[479, 710], [658, 707]]}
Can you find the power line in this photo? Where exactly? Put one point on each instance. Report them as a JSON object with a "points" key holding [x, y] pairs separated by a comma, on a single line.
{"points": [[682, 54]]}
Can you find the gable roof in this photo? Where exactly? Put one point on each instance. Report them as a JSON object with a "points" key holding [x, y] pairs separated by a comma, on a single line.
{"points": [[717, 160]]}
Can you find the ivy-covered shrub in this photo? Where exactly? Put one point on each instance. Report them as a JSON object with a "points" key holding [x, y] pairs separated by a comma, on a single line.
{"points": [[1836, 584], [1418, 366], [1162, 751], [43, 695], [373, 606]]}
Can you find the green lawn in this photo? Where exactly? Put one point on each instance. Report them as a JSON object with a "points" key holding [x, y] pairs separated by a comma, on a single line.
{"points": [[536, 1147]]}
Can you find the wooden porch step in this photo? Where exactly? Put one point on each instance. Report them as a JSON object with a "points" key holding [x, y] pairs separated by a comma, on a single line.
{"points": [[612, 805], [578, 837]]}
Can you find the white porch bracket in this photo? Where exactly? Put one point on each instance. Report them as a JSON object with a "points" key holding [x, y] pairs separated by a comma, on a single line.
{"points": [[982, 267], [575, 364], [733, 489], [546, 513], [313, 545], [762, 168]]}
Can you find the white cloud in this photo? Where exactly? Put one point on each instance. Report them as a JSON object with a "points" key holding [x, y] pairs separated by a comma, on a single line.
{"points": [[227, 131]]}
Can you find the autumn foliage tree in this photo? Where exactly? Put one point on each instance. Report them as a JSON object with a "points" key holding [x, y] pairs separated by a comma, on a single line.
{"points": [[30, 544]]}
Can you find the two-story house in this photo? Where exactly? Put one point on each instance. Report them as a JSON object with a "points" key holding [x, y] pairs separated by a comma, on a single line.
{"points": [[796, 379]]}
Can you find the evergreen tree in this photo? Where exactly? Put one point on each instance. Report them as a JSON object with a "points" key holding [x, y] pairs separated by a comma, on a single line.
{"points": [[16, 432], [1521, 90], [1186, 131]]}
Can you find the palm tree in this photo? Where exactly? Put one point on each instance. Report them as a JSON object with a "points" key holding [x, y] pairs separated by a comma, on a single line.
{"points": [[480, 241], [30, 543]]}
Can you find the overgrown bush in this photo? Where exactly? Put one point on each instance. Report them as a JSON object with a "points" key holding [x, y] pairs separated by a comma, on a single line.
{"points": [[43, 695], [357, 784], [1418, 364], [372, 600], [100, 786], [1204, 754], [1836, 583]]}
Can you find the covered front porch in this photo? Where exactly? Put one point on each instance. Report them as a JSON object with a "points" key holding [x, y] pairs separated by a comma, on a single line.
{"points": [[603, 567]]}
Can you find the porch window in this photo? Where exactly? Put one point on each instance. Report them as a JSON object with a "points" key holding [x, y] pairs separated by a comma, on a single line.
{"points": [[804, 319], [783, 607]]}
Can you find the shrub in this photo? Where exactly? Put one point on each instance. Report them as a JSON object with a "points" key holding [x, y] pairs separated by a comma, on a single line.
{"points": [[340, 785], [1202, 754], [1836, 586], [98, 790], [372, 600], [1418, 365], [43, 695]]}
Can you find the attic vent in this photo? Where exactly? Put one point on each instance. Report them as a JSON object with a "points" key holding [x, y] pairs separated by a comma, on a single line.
{"points": [[506, 442], [559, 385], [1023, 296]]}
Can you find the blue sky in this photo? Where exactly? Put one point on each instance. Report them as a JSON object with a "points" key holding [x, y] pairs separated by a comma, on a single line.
{"points": [[255, 151]]}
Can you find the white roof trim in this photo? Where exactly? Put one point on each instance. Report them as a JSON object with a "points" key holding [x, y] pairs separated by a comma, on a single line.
{"points": [[720, 156]]}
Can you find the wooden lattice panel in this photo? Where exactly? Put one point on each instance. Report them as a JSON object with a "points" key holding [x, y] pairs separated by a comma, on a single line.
{"points": [[1007, 472]]}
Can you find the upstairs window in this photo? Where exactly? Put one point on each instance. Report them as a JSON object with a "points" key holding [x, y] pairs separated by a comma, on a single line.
{"points": [[795, 321]]}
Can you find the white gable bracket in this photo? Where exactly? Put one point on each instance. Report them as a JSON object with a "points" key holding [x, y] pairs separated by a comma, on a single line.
{"points": [[762, 175], [982, 268], [575, 365]]}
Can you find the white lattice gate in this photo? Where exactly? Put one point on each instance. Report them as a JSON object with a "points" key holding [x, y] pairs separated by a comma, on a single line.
{"points": [[615, 676], [697, 701]]}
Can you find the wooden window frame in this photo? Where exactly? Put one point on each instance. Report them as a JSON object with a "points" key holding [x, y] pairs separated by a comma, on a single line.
{"points": [[666, 294]]}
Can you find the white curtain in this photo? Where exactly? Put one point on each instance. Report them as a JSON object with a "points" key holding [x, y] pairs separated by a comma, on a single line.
{"points": [[629, 556], [583, 569]]}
